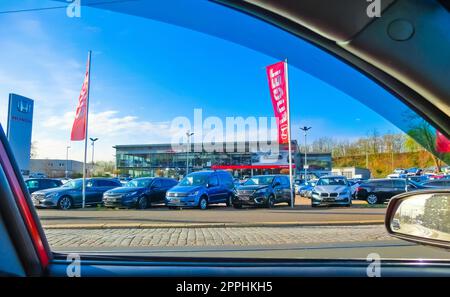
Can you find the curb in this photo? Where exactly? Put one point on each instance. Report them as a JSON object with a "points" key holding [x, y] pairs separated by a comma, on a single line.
{"points": [[214, 225]]}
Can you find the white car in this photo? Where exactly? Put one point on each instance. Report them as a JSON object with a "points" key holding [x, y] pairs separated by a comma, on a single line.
{"points": [[38, 175]]}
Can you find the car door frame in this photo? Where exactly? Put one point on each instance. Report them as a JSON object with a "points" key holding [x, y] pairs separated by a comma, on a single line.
{"points": [[278, 190], [156, 193], [214, 192]]}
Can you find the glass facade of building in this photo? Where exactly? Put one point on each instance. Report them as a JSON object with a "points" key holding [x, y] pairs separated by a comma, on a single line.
{"points": [[161, 159]]}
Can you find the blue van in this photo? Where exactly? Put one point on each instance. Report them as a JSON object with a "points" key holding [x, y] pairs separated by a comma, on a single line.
{"points": [[199, 189]]}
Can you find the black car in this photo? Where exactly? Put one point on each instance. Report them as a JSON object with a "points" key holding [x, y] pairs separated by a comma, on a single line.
{"points": [[37, 184], [139, 193], [376, 191], [70, 194], [263, 190]]}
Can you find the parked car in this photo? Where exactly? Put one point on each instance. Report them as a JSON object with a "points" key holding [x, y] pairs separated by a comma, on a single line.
{"points": [[354, 184], [202, 188], [263, 190], [139, 193], [70, 195], [414, 171], [297, 184], [398, 173], [125, 177], [376, 191], [331, 190], [419, 178], [37, 184], [37, 175], [438, 183], [306, 189]]}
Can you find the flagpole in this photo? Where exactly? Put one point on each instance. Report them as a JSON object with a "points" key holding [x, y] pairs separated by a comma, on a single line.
{"points": [[86, 131], [289, 132]]}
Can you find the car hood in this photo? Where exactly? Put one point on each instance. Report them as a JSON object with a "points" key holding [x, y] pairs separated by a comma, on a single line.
{"points": [[125, 190], [329, 189], [252, 187], [184, 189], [54, 190]]}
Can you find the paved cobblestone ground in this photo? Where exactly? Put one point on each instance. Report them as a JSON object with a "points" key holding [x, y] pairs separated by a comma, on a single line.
{"points": [[185, 237]]}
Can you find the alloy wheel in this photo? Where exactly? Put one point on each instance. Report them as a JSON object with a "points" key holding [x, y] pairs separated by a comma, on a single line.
{"points": [[372, 199], [65, 203]]}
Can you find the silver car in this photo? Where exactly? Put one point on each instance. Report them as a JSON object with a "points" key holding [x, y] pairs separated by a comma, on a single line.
{"points": [[331, 190]]}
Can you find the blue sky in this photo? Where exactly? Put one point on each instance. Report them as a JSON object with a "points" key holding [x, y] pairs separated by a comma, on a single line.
{"points": [[144, 74]]}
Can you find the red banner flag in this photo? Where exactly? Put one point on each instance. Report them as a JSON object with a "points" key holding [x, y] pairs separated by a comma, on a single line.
{"points": [[442, 143], [278, 92], [80, 122]]}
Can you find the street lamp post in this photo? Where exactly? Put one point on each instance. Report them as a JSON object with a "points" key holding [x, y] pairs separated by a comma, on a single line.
{"points": [[305, 165], [67, 161], [93, 140], [188, 134]]}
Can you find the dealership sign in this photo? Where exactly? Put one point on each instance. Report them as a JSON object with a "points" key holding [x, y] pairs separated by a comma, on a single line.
{"points": [[276, 75], [20, 122]]}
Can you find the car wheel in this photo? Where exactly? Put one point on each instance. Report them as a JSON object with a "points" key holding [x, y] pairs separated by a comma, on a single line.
{"points": [[65, 203], [142, 203], [372, 199], [237, 206], [270, 202], [203, 203]]}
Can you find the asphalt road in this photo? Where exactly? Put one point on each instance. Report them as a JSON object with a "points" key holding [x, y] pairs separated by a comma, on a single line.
{"points": [[301, 214]]}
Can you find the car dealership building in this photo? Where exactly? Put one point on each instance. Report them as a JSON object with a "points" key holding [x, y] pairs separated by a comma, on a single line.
{"points": [[163, 159]]}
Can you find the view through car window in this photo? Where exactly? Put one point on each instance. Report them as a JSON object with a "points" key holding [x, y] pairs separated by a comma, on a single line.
{"points": [[175, 135]]}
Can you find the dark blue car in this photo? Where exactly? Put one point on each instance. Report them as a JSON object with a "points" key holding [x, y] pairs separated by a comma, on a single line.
{"points": [[139, 193], [199, 189]]}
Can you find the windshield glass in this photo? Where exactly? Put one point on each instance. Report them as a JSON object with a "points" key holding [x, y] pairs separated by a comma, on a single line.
{"points": [[259, 180], [194, 180], [73, 184], [138, 183], [332, 181]]}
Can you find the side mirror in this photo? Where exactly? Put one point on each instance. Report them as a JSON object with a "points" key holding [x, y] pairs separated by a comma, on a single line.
{"points": [[421, 217], [276, 184]]}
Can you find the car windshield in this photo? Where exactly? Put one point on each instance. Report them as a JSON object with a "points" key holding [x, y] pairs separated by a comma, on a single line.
{"points": [[73, 184], [332, 181], [259, 180], [194, 180], [138, 183], [200, 97]]}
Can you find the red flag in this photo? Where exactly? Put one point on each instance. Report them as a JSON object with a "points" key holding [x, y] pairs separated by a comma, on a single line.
{"points": [[79, 124], [278, 92], [442, 143]]}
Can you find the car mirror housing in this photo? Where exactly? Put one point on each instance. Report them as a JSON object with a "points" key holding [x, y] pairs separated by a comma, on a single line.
{"points": [[277, 184], [421, 216]]}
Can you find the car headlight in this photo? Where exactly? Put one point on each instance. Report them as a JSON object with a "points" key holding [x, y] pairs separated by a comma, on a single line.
{"points": [[315, 193], [344, 193]]}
